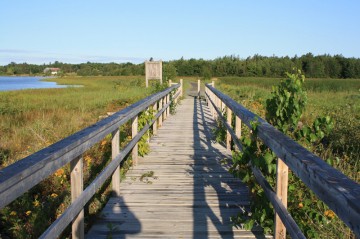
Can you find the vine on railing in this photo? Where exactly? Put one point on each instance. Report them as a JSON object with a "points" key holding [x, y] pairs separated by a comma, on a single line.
{"points": [[284, 110], [145, 118]]}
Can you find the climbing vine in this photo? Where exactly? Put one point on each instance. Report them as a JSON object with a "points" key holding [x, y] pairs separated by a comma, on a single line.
{"points": [[284, 110], [144, 118]]}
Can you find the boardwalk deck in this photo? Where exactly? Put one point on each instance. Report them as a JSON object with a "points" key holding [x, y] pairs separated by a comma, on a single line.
{"points": [[181, 189]]}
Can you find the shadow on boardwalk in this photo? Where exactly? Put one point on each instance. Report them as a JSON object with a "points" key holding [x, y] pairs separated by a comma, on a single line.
{"points": [[190, 195], [211, 174]]}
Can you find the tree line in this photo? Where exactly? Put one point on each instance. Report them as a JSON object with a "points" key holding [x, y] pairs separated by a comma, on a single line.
{"points": [[320, 66]]}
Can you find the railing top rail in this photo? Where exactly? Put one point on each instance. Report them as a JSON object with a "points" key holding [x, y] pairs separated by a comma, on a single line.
{"points": [[19, 177], [339, 192]]}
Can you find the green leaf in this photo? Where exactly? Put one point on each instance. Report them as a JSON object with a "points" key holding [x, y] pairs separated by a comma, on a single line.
{"points": [[313, 137], [268, 157]]}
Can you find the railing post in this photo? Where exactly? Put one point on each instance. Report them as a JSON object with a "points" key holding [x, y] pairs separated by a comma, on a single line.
{"points": [[282, 172], [168, 108], [76, 180], [214, 101], [228, 135], [115, 150], [238, 127], [134, 127], [181, 87], [160, 108], [164, 103], [155, 123], [198, 90]]}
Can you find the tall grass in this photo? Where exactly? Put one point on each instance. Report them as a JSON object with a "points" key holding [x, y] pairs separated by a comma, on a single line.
{"points": [[33, 119]]}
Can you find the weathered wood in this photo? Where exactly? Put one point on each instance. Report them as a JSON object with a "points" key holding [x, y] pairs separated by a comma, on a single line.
{"points": [[74, 209], [198, 89], [155, 124], [282, 172], [285, 216], [190, 194], [153, 70], [235, 139], [115, 150], [335, 189], [228, 135], [168, 108], [181, 87], [19, 177], [76, 180], [160, 119], [134, 127], [238, 128]]}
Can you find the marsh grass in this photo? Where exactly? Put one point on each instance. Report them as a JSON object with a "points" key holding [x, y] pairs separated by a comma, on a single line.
{"points": [[33, 119]]}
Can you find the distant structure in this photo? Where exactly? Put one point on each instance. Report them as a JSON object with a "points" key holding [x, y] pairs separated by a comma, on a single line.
{"points": [[53, 71], [153, 71]]}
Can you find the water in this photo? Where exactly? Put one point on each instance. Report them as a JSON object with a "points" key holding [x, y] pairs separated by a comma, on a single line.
{"points": [[8, 83]]}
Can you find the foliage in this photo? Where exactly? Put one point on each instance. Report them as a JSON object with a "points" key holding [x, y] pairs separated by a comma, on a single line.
{"points": [[169, 71], [144, 119], [321, 66], [287, 104]]}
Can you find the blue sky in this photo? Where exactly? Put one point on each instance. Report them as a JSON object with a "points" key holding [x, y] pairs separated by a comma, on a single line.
{"points": [[120, 31]]}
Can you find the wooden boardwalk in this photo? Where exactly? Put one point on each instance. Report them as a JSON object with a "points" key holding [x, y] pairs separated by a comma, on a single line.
{"points": [[181, 189]]}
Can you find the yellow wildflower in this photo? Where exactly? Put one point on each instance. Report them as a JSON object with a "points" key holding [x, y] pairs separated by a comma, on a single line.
{"points": [[13, 213], [53, 195], [59, 172], [88, 160], [28, 213], [329, 214], [301, 205], [103, 142], [36, 203]]}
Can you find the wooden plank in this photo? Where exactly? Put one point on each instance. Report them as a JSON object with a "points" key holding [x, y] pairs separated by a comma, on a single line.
{"points": [[155, 107], [238, 128], [71, 212], [198, 88], [228, 135], [134, 127], [190, 193], [282, 172], [19, 177], [160, 119], [115, 150], [285, 216], [76, 180], [331, 186]]}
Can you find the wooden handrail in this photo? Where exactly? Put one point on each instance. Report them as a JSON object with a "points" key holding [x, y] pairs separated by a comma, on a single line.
{"points": [[340, 193], [21, 176]]}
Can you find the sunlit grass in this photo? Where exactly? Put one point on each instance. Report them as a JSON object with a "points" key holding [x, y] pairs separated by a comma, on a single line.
{"points": [[33, 119]]}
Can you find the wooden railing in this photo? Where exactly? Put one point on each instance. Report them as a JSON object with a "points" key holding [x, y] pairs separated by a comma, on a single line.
{"points": [[21, 176], [336, 190]]}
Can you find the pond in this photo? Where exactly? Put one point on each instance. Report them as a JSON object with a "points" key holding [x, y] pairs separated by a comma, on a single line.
{"points": [[9, 83]]}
